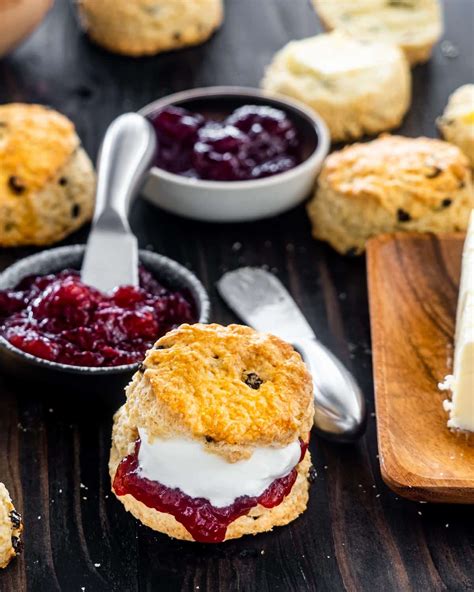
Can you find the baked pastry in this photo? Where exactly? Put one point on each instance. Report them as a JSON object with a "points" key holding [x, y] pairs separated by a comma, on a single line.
{"points": [[414, 25], [457, 122], [211, 443], [47, 181], [387, 185], [11, 528], [146, 27], [461, 384], [357, 87]]}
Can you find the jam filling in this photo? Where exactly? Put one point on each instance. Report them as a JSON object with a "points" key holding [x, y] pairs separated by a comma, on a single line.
{"points": [[205, 522], [57, 317], [254, 141]]}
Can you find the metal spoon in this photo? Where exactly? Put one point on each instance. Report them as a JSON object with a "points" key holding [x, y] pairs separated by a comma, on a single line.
{"points": [[127, 151], [262, 302]]}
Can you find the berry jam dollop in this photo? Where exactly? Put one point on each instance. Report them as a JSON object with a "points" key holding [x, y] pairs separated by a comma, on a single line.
{"points": [[204, 522], [58, 318], [254, 141]]}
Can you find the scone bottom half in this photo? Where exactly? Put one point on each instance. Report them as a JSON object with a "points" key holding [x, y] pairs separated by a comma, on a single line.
{"points": [[212, 442], [11, 528]]}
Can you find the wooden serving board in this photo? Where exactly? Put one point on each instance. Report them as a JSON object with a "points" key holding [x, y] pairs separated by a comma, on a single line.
{"points": [[413, 288]]}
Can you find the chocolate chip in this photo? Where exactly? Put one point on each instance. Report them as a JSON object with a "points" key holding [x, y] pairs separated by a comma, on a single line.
{"points": [[17, 544], [461, 185], [209, 439], [16, 185], [15, 517], [252, 380], [75, 210], [62, 181], [312, 474], [352, 252], [160, 347], [435, 172], [3, 124], [446, 202], [403, 216], [141, 368], [177, 36]]}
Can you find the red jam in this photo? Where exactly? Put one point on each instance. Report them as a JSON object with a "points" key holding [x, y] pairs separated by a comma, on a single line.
{"points": [[205, 523], [58, 318], [253, 142]]}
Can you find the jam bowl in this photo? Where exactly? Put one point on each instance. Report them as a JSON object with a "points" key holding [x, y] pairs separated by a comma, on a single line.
{"points": [[225, 190], [96, 379]]}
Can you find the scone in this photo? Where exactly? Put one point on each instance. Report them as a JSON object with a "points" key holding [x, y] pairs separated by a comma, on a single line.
{"points": [[457, 121], [414, 25], [47, 181], [146, 27], [211, 443], [11, 528], [357, 87], [387, 185]]}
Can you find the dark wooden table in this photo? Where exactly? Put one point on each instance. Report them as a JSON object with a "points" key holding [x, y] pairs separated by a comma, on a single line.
{"points": [[356, 534]]}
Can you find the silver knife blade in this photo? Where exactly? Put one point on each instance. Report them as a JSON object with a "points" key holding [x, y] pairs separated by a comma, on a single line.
{"points": [[262, 302], [111, 260]]}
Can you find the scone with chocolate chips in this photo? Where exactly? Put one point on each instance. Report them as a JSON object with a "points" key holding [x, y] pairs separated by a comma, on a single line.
{"points": [[357, 87], [387, 185], [457, 122], [211, 443], [414, 25], [146, 27], [11, 528], [47, 181]]}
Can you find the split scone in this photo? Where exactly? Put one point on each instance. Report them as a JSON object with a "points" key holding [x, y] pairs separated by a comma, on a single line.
{"points": [[357, 87], [47, 182], [211, 443], [146, 27], [391, 184], [457, 122], [414, 25], [11, 528]]}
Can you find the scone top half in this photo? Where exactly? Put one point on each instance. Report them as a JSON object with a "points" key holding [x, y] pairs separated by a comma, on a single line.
{"points": [[232, 409]]}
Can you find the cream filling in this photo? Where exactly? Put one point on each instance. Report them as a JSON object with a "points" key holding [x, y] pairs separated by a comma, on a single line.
{"points": [[187, 465]]}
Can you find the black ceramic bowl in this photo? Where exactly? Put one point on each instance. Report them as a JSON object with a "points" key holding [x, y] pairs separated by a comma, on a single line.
{"points": [[24, 366]]}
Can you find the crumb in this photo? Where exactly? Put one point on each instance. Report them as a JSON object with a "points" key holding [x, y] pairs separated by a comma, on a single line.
{"points": [[96, 564], [236, 246]]}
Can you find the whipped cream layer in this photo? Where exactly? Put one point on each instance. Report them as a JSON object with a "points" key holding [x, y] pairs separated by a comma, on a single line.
{"points": [[185, 464]]}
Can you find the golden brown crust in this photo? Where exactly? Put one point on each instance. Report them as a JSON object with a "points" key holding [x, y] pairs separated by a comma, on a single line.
{"points": [[147, 27], [259, 519], [11, 528], [47, 181], [196, 383], [391, 184], [35, 142]]}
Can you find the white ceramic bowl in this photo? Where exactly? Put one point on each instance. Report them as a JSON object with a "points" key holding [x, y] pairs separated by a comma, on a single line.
{"points": [[238, 201]]}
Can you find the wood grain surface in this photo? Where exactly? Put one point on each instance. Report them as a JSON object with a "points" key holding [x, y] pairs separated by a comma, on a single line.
{"points": [[356, 533], [413, 291]]}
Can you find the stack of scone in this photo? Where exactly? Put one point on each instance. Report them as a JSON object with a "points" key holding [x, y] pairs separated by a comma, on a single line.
{"points": [[11, 528], [391, 184], [358, 87], [47, 181], [211, 443], [413, 25], [145, 27]]}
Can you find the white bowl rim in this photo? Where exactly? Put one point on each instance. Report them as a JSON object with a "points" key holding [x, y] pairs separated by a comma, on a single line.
{"points": [[320, 128]]}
